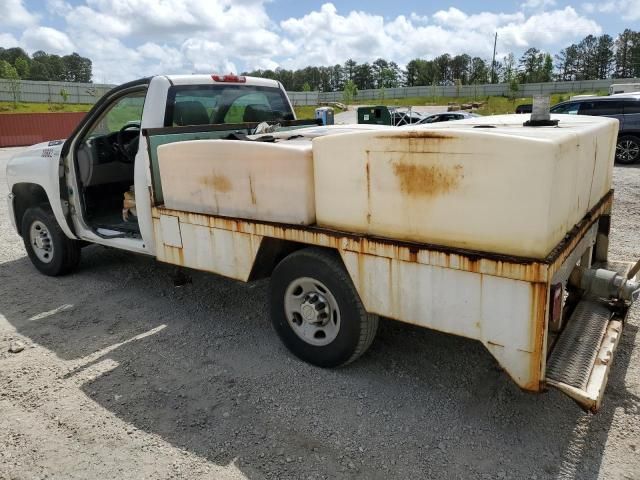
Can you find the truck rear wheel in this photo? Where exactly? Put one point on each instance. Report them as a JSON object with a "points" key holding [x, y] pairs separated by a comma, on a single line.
{"points": [[316, 310], [49, 249]]}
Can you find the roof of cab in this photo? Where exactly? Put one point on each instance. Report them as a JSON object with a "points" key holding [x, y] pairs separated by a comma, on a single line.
{"points": [[208, 79]]}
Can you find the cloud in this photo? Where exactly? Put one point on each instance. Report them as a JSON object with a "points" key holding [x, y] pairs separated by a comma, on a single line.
{"points": [[14, 14], [126, 39], [548, 29], [627, 9], [327, 37], [538, 4], [48, 39], [8, 41]]}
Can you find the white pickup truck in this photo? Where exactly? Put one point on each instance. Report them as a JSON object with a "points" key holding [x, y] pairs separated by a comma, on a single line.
{"points": [[485, 228]]}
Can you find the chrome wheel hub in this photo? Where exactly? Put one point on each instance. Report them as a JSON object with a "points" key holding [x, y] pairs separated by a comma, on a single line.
{"points": [[41, 241], [312, 311]]}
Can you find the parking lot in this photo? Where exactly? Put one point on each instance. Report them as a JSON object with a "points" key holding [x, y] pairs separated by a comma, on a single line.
{"points": [[125, 376]]}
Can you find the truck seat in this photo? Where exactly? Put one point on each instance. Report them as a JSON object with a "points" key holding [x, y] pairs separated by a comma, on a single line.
{"points": [[257, 113], [95, 172], [190, 113]]}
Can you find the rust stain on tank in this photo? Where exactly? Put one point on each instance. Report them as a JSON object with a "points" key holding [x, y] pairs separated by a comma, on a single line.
{"points": [[220, 183], [252, 191], [368, 189], [427, 180], [418, 134]]}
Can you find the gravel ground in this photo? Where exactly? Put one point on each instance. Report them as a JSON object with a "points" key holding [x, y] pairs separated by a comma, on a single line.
{"points": [[124, 376]]}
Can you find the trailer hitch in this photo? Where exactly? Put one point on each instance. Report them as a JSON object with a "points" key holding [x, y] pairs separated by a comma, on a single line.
{"points": [[607, 284]]}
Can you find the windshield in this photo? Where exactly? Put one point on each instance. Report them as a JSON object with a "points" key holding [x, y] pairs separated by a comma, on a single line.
{"points": [[216, 104]]}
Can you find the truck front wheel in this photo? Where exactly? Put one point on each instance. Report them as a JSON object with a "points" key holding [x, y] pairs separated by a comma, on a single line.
{"points": [[49, 249], [316, 310]]}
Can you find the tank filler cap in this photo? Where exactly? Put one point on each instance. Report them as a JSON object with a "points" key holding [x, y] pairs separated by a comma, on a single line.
{"points": [[540, 113]]}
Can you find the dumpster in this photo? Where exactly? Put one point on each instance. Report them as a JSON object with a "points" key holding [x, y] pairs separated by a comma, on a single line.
{"points": [[374, 115]]}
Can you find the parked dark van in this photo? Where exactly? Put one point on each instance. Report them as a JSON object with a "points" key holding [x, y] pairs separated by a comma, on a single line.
{"points": [[625, 108]]}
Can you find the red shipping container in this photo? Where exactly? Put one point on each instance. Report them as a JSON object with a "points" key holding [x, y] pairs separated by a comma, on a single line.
{"points": [[20, 129]]}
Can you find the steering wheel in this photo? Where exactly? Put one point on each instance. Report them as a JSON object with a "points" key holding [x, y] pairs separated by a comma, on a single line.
{"points": [[128, 150]]}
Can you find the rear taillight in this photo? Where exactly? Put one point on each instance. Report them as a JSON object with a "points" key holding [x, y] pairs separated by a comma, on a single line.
{"points": [[229, 78]]}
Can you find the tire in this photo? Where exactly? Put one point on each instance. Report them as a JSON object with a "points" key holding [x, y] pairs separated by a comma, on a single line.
{"points": [[627, 149], [310, 292], [49, 249]]}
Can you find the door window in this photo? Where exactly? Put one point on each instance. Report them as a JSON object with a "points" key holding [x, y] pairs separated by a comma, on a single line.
{"points": [[601, 108], [632, 106], [567, 108], [127, 109]]}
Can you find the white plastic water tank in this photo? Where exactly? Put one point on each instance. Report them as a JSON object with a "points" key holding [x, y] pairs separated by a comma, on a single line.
{"points": [[487, 184], [253, 180]]}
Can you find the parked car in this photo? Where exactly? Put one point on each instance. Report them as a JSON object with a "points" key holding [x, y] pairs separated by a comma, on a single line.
{"points": [[447, 117], [405, 117], [524, 108], [626, 108]]}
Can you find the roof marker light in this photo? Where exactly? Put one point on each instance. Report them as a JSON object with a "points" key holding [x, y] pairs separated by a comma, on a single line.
{"points": [[231, 78]]}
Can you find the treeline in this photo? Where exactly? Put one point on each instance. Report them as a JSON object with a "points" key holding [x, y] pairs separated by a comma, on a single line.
{"points": [[594, 57], [16, 64]]}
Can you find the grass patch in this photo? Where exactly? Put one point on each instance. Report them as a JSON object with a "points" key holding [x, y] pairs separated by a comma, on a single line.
{"points": [[23, 107], [306, 112]]}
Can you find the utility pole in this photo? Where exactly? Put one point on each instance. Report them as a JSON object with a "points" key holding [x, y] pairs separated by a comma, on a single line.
{"points": [[493, 62]]}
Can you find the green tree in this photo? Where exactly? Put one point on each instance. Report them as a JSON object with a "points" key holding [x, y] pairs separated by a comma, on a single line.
{"points": [[350, 92], [10, 73], [22, 67], [350, 69], [7, 70], [514, 87], [64, 94], [363, 76], [627, 56], [460, 68], [76, 68], [566, 63], [605, 56], [39, 71], [509, 70], [478, 71], [546, 74], [531, 64]]}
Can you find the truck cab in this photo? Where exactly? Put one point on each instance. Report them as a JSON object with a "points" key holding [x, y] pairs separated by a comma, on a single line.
{"points": [[107, 155]]}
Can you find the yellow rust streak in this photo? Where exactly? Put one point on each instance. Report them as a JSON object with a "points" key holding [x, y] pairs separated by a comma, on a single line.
{"points": [[220, 183], [421, 180], [531, 271], [539, 305]]}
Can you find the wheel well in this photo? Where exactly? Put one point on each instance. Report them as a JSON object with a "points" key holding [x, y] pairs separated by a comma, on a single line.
{"points": [[27, 195], [629, 133], [271, 252]]}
